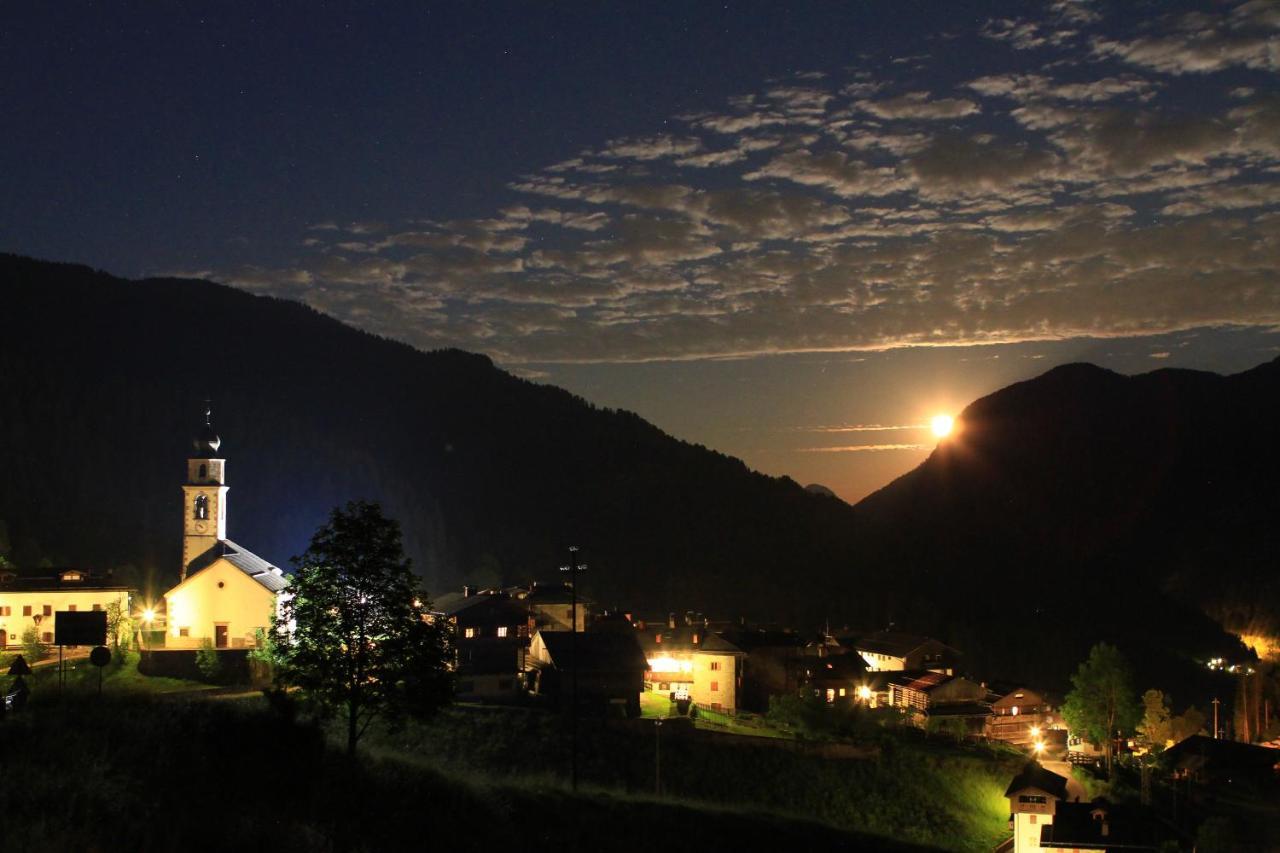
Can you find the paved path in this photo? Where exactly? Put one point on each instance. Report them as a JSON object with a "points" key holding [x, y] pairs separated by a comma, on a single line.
{"points": [[1075, 791]]}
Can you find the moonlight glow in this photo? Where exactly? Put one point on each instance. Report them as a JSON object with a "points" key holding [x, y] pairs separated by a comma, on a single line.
{"points": [[941, 425]]}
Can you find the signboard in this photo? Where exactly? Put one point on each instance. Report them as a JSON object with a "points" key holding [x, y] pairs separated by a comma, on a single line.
{"points": [[80, 628]]}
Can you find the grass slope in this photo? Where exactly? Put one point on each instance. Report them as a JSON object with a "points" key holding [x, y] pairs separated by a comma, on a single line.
{"points": [[140, 773]]}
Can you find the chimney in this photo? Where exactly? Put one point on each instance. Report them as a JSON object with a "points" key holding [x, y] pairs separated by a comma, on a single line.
{"points": [[467, 591]]}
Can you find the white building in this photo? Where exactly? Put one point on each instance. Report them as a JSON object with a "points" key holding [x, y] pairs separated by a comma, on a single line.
{"points": [[226, 593], [33, 602]]}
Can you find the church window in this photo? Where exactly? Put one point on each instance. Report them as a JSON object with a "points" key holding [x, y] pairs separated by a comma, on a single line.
{"points": [[202, 507], [204, 472]]}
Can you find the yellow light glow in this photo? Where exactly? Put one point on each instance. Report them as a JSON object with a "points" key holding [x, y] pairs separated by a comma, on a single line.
{"points": [[148, 616], [864, 693], [669, 664], [1039, 746], [942, 425], [1035, 731]]}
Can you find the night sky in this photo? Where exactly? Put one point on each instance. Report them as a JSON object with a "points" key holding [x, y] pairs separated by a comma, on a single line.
{"points": [[792, 232]]}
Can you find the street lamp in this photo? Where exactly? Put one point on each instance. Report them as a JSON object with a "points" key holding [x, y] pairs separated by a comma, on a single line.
{"points": [[657, 758], [864, 693]]}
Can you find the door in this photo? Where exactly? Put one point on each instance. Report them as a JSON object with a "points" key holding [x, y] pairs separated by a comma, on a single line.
{"points": [[220, 636]]}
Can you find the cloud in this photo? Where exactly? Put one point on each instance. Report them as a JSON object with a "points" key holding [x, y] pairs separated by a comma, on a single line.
{"points": [[861, 448], [919, 105], [1110, 192]]}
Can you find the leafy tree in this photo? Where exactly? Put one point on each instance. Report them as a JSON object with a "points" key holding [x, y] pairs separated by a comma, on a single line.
{"points": [[1102, 700], [354, 631], [207, 660], [119, 626], [1156, 728], [32, 647]]}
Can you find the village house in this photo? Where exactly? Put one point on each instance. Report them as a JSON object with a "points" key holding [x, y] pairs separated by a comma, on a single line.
{"points": [[691, 662], [226, 594], [33, 602], [1033, 795], [838, 678], [894, 650], [609, 669], [925, 690], [1102, 826], [491, 638], [773, 664], [1021, 716]]}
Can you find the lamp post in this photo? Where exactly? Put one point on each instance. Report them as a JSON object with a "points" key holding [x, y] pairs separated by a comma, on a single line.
{"points": [[573, 568], [657, 758]]}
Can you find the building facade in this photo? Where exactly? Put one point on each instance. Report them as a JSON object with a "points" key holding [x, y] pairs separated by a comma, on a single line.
{"points": [[33, 602], [226, 594]]}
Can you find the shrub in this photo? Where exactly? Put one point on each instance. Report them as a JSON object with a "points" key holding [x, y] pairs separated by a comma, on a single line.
{"points": [[207, 661], [32, 648]]}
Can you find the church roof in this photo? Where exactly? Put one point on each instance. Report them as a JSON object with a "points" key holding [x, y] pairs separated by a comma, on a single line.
{"points": [[244, 560]]}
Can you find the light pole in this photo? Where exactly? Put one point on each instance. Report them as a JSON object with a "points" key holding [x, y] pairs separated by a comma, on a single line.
{"points": [[1216, 702], [657, 758], [573, 568]]}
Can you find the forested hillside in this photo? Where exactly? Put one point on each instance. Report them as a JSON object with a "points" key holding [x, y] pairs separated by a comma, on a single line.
{"points": [[103, 383]]}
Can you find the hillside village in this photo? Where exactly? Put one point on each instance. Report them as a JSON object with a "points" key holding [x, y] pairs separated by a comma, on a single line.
{"points": [[543, 645]]}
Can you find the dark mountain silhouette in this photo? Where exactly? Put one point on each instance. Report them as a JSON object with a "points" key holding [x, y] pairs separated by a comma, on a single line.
{"points": [[1078, 506], [102, 383], [1084, 505]]}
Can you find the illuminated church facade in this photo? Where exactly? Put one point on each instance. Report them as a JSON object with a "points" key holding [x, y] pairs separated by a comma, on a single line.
{"points": [[226, 594]]}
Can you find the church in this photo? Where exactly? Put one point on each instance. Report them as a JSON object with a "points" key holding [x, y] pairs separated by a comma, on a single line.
{"points": [[226, 593]]}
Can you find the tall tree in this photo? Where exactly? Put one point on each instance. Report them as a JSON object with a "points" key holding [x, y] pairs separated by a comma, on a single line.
{"points": [[1102, 702], [353, 630], [1156, 728]]}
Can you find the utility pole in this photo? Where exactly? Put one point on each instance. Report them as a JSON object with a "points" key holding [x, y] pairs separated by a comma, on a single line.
{"points": [[1215, 717], [573, 568], [657, 758]]}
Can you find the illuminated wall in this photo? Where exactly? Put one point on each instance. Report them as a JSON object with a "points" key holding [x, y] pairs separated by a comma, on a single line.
{"points": [[220, 595], [13, 604]]}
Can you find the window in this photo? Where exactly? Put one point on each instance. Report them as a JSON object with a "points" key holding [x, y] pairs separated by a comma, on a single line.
{"points": [[715, 687], [184, 632], [48, 610], [657, 638], [201, 510], [26, 610], [204, 472], [470, 633], [1032, 798], [715, 665], [502, 630], [71, 608], [1033, 819], [1015, 710], [97, 607], [841, 691], [47, 637], [6, 611]]}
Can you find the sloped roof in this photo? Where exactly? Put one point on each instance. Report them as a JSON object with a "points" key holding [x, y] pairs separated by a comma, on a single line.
{"points": [[895, 643], [243, 559], [716, 644], [598, 652], [1079, 825], [1035, 776], [52, 580], [921, 680]]}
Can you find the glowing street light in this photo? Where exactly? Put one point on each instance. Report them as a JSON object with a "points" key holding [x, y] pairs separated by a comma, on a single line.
{"points": [[148, 616], [1035, 732], [1039, 747], [864, 693]]}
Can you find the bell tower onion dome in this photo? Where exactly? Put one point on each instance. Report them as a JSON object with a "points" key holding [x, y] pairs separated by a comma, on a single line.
{"points": [[207, 442]]}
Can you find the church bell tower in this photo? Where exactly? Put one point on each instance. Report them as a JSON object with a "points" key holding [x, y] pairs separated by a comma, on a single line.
{"points": [[204, 497]]}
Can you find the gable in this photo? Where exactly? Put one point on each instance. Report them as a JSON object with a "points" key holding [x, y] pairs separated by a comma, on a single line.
{"points": [[222, 571]]}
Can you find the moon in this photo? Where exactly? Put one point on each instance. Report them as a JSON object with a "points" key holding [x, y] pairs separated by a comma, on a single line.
{"points": [[942, 425]]}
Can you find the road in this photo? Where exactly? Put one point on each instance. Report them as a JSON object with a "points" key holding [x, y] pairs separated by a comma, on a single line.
{"points": [[1075, 791]]}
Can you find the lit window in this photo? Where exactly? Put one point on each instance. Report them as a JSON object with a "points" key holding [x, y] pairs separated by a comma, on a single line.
{"points": [[841, 691], [502, 630], [715, 687], [831, 695], [1015, 710], [470, 633]]}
